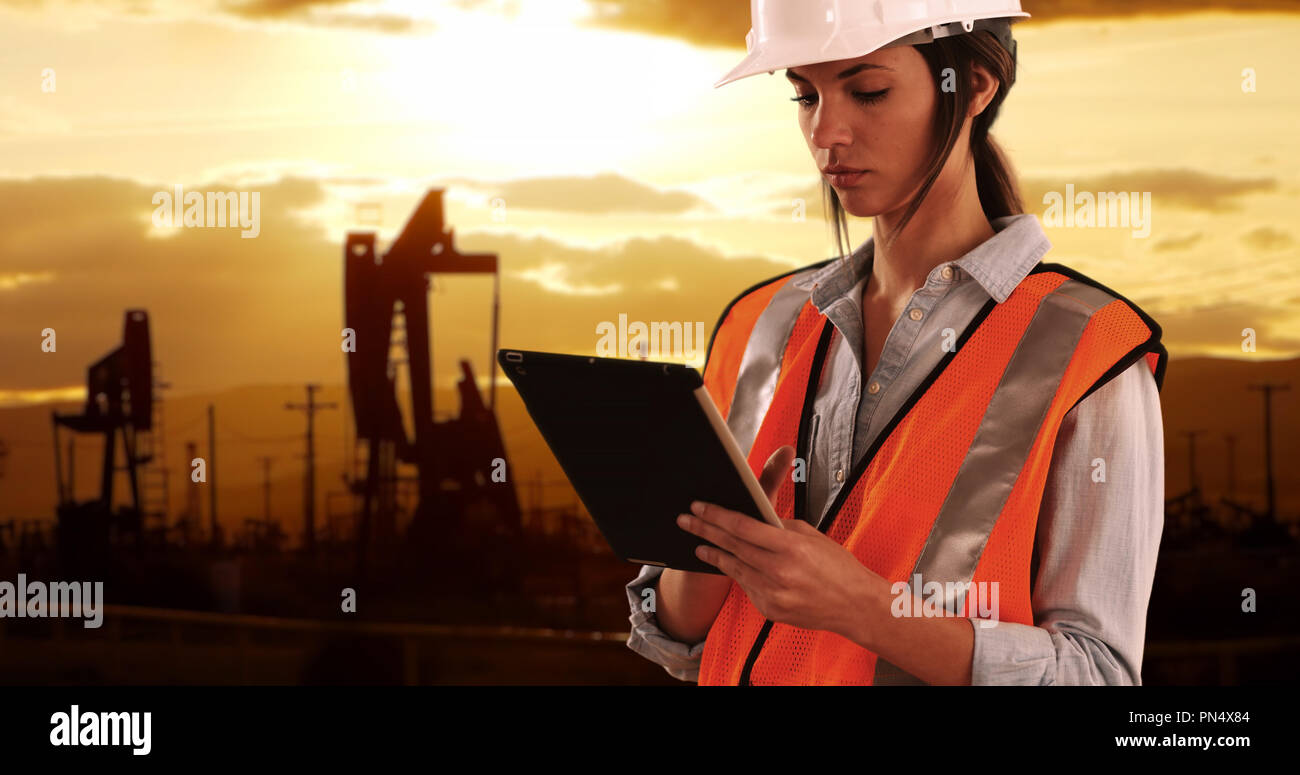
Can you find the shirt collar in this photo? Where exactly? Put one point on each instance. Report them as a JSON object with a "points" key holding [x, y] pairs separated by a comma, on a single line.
{"points": [[998, 264]]}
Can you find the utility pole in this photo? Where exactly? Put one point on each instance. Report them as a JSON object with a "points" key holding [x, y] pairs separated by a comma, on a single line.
{"points": [[309, 480], [193, 518], [214, 528], [266, 488], [1268, 388], [1193, 484], [1231, 440]]}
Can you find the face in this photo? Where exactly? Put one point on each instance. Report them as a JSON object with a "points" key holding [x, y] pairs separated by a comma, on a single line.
{"points": [[873, 113]]}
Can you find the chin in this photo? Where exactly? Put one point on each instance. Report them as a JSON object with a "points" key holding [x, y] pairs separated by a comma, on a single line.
{"points": [[861, 203]]}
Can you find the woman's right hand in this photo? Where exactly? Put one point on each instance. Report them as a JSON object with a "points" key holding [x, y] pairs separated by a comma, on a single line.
{"points": [[687, 602]]}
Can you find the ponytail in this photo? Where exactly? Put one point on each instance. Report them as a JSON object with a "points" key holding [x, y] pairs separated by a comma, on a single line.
{"points": [[994, 179]]}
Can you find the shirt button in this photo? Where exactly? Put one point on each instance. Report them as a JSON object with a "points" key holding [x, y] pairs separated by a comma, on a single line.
{"points": [[839, 475], [873, 388], [915, 314], [946, 273]]}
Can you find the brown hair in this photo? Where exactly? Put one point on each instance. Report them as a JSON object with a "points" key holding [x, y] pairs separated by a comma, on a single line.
{"points": [[994, 180]]}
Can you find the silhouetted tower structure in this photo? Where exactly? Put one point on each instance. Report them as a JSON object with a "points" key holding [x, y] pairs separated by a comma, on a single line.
{"points": [[387, 308], [1268, 390], [119, 403]]}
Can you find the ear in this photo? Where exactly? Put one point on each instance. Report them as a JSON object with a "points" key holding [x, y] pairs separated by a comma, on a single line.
{"points": [[983, 86]]}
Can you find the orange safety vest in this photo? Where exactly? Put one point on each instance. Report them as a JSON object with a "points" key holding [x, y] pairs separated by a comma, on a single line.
{"points": [[951, 487]]}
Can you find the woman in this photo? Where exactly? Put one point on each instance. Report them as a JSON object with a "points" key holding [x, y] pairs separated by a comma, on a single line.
{"points": [[933, 415]]}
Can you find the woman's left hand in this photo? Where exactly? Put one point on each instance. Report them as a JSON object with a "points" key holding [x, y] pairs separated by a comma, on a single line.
{"points": [[796, 575]]}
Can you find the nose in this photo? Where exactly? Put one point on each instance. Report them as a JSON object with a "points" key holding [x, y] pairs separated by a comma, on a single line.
{"points": [[830, 124]]}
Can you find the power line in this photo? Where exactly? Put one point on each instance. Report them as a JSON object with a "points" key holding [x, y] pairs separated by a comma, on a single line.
{"points": [[309, 482], [257, 439]]}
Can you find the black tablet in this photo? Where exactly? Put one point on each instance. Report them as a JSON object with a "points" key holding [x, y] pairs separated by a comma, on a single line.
{"points": [[639, 440]]}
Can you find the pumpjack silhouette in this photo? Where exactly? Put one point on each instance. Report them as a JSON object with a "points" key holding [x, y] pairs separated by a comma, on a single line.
{"points": [[463, 518], [119, 404]]}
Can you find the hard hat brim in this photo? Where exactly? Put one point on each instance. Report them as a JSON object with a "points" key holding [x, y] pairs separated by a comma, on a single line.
{"points": [[771, 56]]}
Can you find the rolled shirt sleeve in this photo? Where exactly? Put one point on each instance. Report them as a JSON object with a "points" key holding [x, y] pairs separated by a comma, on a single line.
{"points": [[681, 660], [1099, 533]]}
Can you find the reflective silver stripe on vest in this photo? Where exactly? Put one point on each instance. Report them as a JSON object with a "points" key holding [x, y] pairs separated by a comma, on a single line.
{"points": [[1000, 448], [761, 363]]}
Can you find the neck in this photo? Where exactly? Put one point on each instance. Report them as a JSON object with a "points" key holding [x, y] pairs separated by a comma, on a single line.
{"points": [[949, 223]]}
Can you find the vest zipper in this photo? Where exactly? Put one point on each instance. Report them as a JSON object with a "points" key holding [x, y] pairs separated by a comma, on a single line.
{"points": [[812, 437], [800, 488], [861, 467], [812, 445]]}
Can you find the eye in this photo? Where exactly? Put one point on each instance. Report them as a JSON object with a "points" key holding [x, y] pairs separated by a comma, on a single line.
{"points": [[870, 98], [866, 98]]}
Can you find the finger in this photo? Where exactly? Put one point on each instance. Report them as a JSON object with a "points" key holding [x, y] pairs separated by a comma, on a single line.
{"points": [[751, 554], [741, 572], [775, 469], [742, 526]]}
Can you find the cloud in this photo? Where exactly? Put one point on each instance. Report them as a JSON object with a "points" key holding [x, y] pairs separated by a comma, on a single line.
{"points": [[1219, 327], [364, 15], [1187, 189], [703, 22], [279, 8], [1267, 238], [600, 194], [12, 280], [507, 8], [76, 252], [714, 23], [219, 303], [326, 13], [390, 24], [1181, 188], [559, 293], [1171, 244], [725, 22]]}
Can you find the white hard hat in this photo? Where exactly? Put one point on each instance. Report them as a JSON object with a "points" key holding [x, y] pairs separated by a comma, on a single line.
{"points": [[790, 33]]}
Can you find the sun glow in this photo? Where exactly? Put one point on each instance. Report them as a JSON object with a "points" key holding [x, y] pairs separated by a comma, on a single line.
{"points": [[576, 93]]}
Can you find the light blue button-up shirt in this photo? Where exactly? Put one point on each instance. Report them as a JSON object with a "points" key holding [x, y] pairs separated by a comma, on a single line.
{"points": [[1097, 541]]}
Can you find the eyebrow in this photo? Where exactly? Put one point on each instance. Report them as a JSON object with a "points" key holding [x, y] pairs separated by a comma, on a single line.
{"points": [[792, 75]]}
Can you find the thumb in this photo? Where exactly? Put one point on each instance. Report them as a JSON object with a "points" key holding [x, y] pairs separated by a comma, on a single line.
{"points": [[775, 470]]}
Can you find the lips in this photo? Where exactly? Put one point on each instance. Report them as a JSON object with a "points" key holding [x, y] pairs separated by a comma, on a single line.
{"points": [[843, 177]]}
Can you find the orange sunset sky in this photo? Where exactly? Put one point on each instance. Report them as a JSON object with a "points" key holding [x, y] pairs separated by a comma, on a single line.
{"points": [[583, 142]]}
